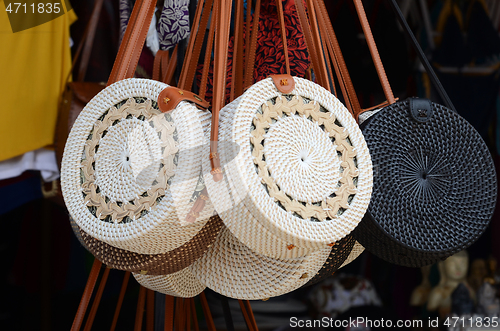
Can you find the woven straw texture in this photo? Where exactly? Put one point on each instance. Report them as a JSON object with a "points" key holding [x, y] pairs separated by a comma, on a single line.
{"points": [[182, 284], [434, 189], [339, 253], [297, 173], [129, 171], [232, 269], [356, 251], [152, 264]]}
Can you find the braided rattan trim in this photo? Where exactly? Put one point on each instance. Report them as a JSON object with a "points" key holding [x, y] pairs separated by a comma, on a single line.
{"points": [[296, 106], [143, 202], [182, 284], [232, 269]]}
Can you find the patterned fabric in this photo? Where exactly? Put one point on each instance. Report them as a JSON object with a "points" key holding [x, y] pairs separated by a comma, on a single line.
{"points": [[269, 56], [173, 25]]}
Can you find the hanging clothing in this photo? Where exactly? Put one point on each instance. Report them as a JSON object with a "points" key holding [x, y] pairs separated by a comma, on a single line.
{"points": [[35, 64]]}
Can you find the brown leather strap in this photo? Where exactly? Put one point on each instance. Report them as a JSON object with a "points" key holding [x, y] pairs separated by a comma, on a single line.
{"points": [[195, 44], [208, 57], [150, 310], [317, 44], [281, 19], [119, 304], [180, 313], [250, 60], [342, 73], [223, 17], [250, 313], [310, 43], [195, 318], [246, 316], [187, 308], [139, 315], [198, 206], [162, 59], [237, 72], [189, 50], [206, 312], [87, 294], [170, 97], [169, 313], [374, 51], [97, 300], [133, 41], [170, 70]]}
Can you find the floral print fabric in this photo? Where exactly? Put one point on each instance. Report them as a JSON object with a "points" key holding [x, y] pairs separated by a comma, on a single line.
{"points": [[269, 56], [173, 25]]}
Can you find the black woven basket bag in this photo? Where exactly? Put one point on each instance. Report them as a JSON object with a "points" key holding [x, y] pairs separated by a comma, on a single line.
{"points": [[435, 187], [434, 180]]}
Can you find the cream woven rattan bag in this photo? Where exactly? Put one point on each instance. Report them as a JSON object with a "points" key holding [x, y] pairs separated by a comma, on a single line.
{"points": [[129, 171], [297, 174], [232, 269]]}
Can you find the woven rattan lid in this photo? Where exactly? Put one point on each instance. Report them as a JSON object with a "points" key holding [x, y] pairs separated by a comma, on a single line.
{"points": [[151, 264], [297, 172], [129, 171], [435, 188], [232, 269], [182, 284]]}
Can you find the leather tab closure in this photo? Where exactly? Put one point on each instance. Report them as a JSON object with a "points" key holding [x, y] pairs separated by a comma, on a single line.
{"points": [[284, 83], [170, 97], [420, 109]]}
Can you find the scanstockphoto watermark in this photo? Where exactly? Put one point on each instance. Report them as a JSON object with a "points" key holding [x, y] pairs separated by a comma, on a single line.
{"points": [[358, 322]]}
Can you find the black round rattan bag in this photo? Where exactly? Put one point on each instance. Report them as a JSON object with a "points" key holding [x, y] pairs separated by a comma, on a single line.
{"points": [[434, 184]]}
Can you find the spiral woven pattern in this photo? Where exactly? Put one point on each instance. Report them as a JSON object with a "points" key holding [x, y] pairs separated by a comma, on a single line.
{"points": [[435, 186], [301, 176], [151, 264], [338, 255], [129, 171], [232, 269], [182, 284]]}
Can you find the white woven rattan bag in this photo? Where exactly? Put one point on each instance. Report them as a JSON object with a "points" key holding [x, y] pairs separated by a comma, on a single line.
{"points": [[129, 171], [232, 269], [297, 174]]}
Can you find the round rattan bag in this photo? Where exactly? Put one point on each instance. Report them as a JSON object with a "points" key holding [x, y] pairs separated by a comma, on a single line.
{"points": [[129, 171], [297, 174], [434, 188], [232, 269]]}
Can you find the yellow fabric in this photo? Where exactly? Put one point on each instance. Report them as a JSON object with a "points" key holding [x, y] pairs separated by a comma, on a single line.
{"points": [[34, 66]]}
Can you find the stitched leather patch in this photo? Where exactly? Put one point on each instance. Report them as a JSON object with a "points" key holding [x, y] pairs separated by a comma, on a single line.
{"points": [[284, 83], [420, 109], [170, 97]]}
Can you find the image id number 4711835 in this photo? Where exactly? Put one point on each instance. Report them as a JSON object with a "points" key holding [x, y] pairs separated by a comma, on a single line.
{"points": [[472, 322], [41, 8]]}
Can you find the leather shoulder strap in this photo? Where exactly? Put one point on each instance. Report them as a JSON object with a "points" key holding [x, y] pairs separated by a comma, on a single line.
{"points": [[133, 41]]}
